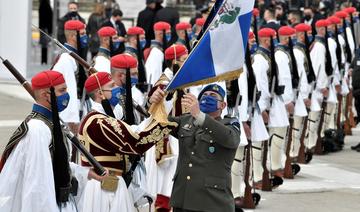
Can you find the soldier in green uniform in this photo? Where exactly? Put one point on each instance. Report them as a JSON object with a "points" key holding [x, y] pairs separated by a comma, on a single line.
{"points": [[207, 147]]}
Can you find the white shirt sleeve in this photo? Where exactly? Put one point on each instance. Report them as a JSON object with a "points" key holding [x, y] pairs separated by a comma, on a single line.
{"points": [[154, 65], [260, 67], [334, 61], [304, 86], [68, 67], [27, 181], [317, 55], [284, 75], [102, 64], [243, 90]]}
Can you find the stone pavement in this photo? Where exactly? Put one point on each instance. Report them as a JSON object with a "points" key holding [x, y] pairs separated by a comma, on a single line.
{"points": [[329, 183]]}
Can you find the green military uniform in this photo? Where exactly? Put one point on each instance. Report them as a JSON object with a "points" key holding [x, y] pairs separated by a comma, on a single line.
{"points": [[202, 181]]}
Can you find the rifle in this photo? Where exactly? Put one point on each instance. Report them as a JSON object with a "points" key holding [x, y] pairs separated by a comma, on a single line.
{"points": [[82, 62], [98, 168], [319, 146], [301, 156], [288, 172], [248, 197], [266, 183]]}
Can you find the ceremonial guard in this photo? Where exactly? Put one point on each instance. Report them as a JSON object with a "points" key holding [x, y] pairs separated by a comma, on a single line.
{"points": [[135, 45], [155, 62], [206, 143], [124, 69], [36, 174], [108, 44], [306, 78], [161, 159], [318, 58], [97, 197], [76, 39], [184, 33], [287, 77], [262, 70], [109, 139], [239, 170]]}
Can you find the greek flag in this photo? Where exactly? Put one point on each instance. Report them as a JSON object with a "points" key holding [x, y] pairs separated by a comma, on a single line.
{"points": [[220, 52]]}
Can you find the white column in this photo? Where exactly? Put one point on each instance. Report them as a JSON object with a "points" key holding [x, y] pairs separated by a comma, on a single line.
{"points": [[15, 34]]}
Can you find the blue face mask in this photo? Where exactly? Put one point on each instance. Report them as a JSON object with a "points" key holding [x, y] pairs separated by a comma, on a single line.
{"points": [[83, 41], [134, 81], [356, 19], [253, 48], [294, 41], [330, 34], [168, 37], [347, 23], [340, 30], [62, 101], [275, 42], [116, 45], [115, 96], [142, 44], [208, 104], [310, 38], [190, 35]]}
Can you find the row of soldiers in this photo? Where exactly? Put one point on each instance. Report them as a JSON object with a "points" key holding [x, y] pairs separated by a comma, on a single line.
{"points": [[301, 86], [285, 100]]}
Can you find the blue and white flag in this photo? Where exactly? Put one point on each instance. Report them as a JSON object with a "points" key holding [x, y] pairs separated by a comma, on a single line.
{"points": [[220, 53]]}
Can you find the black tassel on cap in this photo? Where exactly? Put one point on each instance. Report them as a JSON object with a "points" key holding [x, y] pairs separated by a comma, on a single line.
{"points": [[61, 168]]}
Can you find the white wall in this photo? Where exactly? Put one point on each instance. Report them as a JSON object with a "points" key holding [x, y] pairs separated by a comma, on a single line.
{"points": [[15, 34]]}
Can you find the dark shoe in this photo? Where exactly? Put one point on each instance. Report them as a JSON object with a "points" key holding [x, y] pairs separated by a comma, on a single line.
{"points": [[276, 181], [308, 157], [295, 168], [256, 198], [356, 147]]}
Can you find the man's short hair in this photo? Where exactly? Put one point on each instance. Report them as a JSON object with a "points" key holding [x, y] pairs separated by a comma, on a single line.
{"points": [[117, 12], [73, 2], [271, 11]]}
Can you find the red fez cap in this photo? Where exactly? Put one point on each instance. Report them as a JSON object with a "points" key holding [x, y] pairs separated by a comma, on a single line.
{"points": [[322, 23], [123, 61], [350, 10], [200, 21], [256, 12], [175, 51], [46, 79], [74, 25], [266, 32], [95, 81], [106, 31], [161, 25], [135, 31], [286, 31], [341, 14], [251, 35], [183, 26], [334, 20], [303, 28]]}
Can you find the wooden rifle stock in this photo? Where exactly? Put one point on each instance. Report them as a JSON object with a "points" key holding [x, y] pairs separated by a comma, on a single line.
{"points": [[248, 198], [319, 146], [347, 124], [74, 140], [266, 183], [301, 155], [351, 115], [288, 173], [339, 109]]}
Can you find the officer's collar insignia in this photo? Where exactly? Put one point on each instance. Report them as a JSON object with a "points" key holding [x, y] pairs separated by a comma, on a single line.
{"points": [[187, 127]]}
